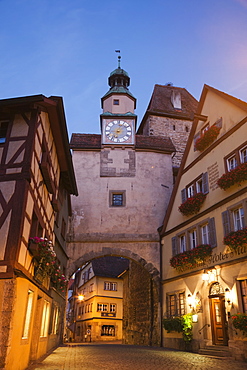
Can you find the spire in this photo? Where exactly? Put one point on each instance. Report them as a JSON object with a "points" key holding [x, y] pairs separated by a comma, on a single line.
{"points": [[119, 58]]}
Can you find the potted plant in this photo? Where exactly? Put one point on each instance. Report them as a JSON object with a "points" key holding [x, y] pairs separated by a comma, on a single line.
{"points": [[239, 321], [192, 205], [235, 176], [173, 324], [207, 138], [58, 279], [236, 239], [43, 252]]}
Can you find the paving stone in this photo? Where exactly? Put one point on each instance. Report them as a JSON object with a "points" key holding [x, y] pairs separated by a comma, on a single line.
{"points": [[92, 356]]}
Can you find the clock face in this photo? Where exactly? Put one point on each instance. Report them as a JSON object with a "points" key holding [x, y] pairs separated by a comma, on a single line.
{"points": [[118, 131]]}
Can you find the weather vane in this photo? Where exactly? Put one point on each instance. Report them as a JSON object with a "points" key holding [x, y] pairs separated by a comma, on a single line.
{"points": [[119, 57]]}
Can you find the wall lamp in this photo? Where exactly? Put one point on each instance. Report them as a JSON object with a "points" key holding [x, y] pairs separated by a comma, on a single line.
{"points": [[191, 301], [81, 297], [228, 296]]}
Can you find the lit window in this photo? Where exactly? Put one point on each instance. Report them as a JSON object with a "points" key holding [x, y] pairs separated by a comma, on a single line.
{"points": [[45, 319], [238, 219], [110, 286], [175, 304], [113, 307], [55, 320], [243, 291], [28, 314], [108, 330], [102, 307]]}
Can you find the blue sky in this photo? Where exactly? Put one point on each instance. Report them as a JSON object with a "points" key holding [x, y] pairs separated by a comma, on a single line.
{"points": [[67, 48]]}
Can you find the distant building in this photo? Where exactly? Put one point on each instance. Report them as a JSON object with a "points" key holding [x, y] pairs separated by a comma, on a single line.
{"points": [[96, 304], [204, 253], [37, 179]]}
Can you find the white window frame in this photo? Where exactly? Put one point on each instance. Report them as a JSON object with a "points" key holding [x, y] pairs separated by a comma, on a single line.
{"points": [[243, 155], [205, 233], [102, 307], [190, 191], [193, 238], [238, 218], [232, 162], [182, 243]]}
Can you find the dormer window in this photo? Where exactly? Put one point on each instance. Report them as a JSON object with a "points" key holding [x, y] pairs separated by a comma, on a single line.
{"points": [[176, 100]]}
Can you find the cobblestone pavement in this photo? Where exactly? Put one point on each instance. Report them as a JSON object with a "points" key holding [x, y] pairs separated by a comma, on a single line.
{"points": [[124, 357]]}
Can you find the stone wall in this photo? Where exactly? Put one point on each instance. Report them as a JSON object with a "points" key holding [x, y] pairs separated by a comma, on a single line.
{"points": [[177, 129], [141, 322]]}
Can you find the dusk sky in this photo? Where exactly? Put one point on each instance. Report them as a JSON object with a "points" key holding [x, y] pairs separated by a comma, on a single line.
{"points": [[67, 48]]}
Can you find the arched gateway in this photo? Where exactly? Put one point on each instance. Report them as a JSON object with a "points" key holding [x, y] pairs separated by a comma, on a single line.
{"points": [[124, 183]]}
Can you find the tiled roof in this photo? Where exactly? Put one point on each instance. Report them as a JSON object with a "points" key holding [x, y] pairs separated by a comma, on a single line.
{"points": [[109, 266], [154, 143], [85, 141], [161, 100], [93, 141]]}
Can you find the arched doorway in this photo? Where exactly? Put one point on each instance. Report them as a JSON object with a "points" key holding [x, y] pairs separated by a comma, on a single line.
{"points": [[218, 315], [141, 305]]}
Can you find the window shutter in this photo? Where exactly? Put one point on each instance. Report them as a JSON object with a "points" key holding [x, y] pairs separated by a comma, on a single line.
{"points": [[205, 183], [212, 232], [174, 246], [195, 139], [184, 195], [226, 222]]}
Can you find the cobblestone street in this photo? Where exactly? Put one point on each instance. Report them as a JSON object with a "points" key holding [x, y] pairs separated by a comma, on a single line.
{"points": [[123, 357]]}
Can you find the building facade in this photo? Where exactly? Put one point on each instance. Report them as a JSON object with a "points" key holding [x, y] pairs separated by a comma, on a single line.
{"points": [[96, 305], [204, 253], [37, 179]]}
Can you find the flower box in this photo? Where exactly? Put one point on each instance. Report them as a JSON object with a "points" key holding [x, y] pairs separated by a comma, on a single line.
{"points": [[207, 138], [190, 259], [192, 205], [239, 321], [235, 176], [236, 239]]}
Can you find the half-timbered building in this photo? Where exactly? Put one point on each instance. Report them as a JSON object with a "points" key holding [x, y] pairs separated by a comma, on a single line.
{"points": [[36, 181]]}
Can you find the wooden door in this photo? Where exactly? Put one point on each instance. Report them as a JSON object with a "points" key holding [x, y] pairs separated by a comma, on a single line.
{"points": [[218, 321]]}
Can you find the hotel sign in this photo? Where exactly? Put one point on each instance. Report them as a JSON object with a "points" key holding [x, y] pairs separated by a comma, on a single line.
{"points": [[107, 314]]}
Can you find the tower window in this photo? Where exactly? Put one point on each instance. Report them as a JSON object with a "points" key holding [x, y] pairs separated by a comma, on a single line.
{"points": [[115, 101], [117, 198]]}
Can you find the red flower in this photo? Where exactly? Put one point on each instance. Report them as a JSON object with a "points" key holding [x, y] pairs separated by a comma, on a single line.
{"points": [[207, 138], [192, 205], [235, 176]]}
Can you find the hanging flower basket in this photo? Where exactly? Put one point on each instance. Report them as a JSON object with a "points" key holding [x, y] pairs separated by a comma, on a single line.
{"points": [[239, 321], [190, 259], [58, 279], [236, 239], [207, 138], [43, 252], [235, 176], [192, 205]]}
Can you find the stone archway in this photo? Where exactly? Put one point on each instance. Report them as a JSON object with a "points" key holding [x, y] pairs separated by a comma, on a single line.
{"points": [[142, 311]]}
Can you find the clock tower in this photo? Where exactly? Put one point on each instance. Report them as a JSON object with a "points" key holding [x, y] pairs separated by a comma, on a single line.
{"points": [[118, 120]]}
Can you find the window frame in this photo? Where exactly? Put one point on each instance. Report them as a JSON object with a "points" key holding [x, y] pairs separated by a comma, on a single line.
{"points": [[212, 237], [236, 153], [113, 193], [192, 188], [28, 314], [228, 222], [111, 284], [175, 304]]}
